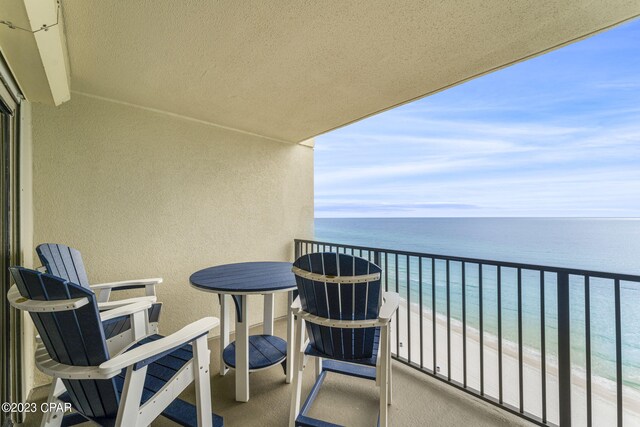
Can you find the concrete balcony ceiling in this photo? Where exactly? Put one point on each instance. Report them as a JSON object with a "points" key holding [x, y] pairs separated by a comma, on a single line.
{"points": [[291, 70]]}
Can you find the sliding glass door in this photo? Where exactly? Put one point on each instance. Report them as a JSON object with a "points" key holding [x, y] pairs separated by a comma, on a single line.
{"points": [[10, 319]]}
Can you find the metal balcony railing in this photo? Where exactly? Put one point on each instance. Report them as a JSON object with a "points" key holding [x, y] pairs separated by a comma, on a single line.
{"points": [[553, 345]]}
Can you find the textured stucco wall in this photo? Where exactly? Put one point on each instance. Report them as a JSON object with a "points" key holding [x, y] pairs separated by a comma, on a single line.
{"points": [[143, 194], [26, 239]]}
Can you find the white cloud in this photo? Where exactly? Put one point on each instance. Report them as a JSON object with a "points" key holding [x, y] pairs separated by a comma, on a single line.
{"points": [[540, 138]]}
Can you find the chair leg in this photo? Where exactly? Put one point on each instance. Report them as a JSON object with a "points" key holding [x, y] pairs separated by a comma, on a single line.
{"points": [[384, 376], [318, 366], [378, 365], [130, 397], [103, 295], [53, 418], [291, 350], [139, 324], [296, 391], [389, 362], [153, 328], [202, 381]]}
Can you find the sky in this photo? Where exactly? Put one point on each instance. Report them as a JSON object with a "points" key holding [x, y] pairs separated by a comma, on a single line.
{"points": [[555, 136]]}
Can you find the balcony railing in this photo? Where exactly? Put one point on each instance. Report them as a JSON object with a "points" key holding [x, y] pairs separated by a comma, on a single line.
{"points": [[553, 345]]}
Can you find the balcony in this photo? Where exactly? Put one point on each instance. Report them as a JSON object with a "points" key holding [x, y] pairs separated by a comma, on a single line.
{"points": [[418, 400], [164, 137], [478, 364]]}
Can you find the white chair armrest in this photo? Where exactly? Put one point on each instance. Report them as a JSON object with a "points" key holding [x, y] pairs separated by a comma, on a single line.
{"points": [[146, 351], [120, 303], [390, 305], [125, 310], [124, 283]]}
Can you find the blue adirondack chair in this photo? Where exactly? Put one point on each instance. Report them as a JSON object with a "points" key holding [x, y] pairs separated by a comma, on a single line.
{"points": [[66, 262], [347, 319], [128, 389]]}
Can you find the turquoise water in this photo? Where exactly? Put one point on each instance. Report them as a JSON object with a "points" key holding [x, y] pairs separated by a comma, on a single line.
{"points": [[608, 245]]}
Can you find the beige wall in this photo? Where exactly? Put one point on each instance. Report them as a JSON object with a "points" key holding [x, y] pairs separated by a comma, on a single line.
{"points": [[144, 194], [26, 239]]}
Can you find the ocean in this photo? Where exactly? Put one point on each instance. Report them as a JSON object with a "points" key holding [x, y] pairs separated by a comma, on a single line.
{"points": [[607, 245]]}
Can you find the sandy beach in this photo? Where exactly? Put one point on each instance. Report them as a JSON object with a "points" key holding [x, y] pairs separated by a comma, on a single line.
{"points": [[603, 390]]}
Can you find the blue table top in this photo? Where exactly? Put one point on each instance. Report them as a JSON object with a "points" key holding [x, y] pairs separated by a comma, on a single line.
{"points": [[245, 278]]}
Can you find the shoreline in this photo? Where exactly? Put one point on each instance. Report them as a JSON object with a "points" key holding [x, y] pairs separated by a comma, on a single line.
{"points": [[603, 390]]}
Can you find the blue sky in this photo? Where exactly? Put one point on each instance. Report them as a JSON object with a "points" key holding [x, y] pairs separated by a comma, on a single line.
{"points": [[558, 135]]}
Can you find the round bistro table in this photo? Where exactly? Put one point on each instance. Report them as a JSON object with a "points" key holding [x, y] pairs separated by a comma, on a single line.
{"points": [[249, 353]]}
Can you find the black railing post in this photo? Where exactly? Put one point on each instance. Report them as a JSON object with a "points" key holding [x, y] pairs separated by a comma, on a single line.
{"points": [[564, 350], [618, 352]]}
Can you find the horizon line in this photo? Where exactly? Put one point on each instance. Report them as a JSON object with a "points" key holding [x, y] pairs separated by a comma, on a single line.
{"points": [[479, 217]]}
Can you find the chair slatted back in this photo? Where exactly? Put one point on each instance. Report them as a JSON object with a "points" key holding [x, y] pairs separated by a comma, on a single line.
{"points": [[63, 261], [72, 337], [342, 301]]}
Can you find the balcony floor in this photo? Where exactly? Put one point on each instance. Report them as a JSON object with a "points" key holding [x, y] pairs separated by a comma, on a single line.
{"points": [[418, 399]]}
